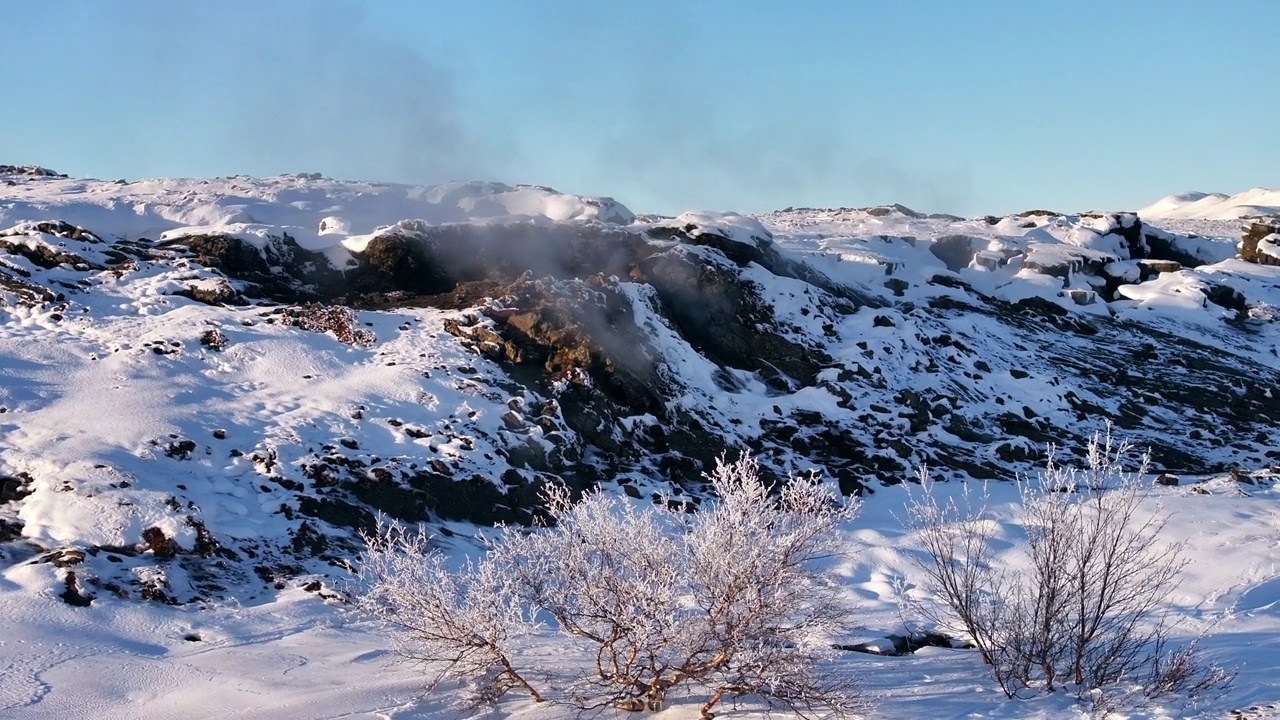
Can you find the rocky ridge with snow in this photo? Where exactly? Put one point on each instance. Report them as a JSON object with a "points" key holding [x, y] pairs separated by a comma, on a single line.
{"points": [[208, 387]]}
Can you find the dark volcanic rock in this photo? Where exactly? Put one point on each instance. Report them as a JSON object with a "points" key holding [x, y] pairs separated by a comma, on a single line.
{"points": [[1161, 246], [398, 263], [73, 592], [30, 171], [14, 487], [282, 270], [231, 255], [10, 530], [46, 257], [955, 251], [723, 316], [758, 250]]}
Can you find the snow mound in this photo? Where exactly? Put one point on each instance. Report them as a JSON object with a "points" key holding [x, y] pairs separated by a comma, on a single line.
{"points": [[733, 226]]}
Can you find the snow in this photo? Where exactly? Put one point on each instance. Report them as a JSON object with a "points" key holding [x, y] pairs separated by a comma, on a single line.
{"points": [[93, 400], [1214, 206], [300, 656]]}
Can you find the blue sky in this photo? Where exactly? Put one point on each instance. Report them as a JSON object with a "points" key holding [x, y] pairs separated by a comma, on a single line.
{"points": [[969, 107]]}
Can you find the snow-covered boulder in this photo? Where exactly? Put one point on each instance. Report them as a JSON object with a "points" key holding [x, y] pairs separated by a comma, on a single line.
{"points": [[741, 238]]}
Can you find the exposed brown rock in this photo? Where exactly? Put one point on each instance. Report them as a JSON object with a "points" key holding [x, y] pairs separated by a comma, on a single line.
{"points": [[1260, 243]]}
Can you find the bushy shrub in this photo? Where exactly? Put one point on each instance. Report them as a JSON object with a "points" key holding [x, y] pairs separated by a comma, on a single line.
{"points": [[338, 320], [735, 600], [1087, 608]]}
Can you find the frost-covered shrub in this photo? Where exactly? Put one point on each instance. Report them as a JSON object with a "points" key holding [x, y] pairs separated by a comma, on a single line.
{"points": [[734, 600], [335, 319], [1086, 607]]}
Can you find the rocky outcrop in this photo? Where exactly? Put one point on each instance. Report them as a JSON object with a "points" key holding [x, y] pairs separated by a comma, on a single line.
{"points": [[44, 255], [280, 269], [30, 171], [1260, 243], [956, 251]]}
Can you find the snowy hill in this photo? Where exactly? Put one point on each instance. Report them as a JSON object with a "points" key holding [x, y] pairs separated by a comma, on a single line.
{"points": [[1214, 206], [209, 386]]}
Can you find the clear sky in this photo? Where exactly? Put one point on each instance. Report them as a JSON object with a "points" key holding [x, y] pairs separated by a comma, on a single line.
{"points": [[966, 106]]}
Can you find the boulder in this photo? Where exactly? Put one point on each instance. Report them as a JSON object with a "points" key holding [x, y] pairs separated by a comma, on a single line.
{"points": [[1260, 243], [956, 251]]}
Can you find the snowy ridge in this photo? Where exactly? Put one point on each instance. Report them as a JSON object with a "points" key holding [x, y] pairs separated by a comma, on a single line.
{"points": [[316, 211]]}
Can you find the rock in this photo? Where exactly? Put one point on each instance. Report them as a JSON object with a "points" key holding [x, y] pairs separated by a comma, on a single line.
{"points": [[993, 260], [73, 593], [398, 263], [213, 339], [336, 320], [30, 171], [1260, 243], [155, 540], [64, 558], [10, 529], [894, 209], [336, 512], [231, 255], [1163, 246], [724, 316], [217, 292], [1082, 297], [1063, 264], [206, 545], [956, 251], [741, 240], [900, 645], [66, 230], [14, 487], [1152, 268], [1167, 480], [180, 449], [47, 257], [281, 270], [1225, 296]]}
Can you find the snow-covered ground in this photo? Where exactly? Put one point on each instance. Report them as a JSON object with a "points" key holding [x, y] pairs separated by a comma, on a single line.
{"points": [[125, 421], [297, 655]]}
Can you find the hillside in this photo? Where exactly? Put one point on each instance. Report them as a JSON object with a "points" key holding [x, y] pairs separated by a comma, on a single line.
{"points": [[208, 387]]}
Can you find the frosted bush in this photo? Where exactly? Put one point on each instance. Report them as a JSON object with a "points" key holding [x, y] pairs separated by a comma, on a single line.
{"points": [[735, 600]]}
